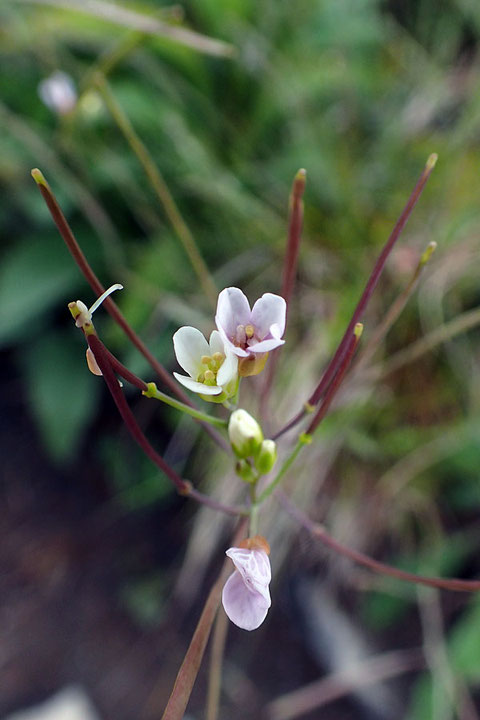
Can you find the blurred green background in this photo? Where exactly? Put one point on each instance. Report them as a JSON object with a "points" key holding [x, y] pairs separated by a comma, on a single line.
{"points": [[359, 92]]}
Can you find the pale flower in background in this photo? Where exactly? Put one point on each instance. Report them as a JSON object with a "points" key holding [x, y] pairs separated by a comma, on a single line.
{"points": [[212, 368], [246, 597], [250, 334], [58, 92]]}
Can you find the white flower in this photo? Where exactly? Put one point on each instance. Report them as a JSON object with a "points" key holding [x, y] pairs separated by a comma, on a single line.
{"points": [[250, 332], [212, 369], [246, 597], [58, 92], [82, 314]]}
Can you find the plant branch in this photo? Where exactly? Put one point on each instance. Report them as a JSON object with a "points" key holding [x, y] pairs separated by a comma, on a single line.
{"points": [[362, 304], [84, 266], [320, 533], [183, 487]]}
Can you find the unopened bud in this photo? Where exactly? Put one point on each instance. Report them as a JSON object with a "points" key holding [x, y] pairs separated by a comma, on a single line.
{"points": [[266, 457], [245, 471], [245, 433]]}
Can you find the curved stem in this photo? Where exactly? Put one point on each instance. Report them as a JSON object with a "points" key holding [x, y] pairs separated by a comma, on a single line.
{"points": [[184, 487], [319, 532]]}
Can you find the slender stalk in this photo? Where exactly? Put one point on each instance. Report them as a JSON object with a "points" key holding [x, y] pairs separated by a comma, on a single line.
{"points": [[184, 487], [160, 188], [187, 674], [152, 392], [84, 266], [320, 533], [294, 236], [216, 660], [306, 438], [395, 309], [362, 304], [337, 380]]}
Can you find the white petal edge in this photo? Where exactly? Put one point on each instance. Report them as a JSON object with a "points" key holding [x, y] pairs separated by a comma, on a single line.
{"points": [[269, 310], [197, 387], [245, 609], [233, 309], [266, 345], [189, 345], [229, 369]]}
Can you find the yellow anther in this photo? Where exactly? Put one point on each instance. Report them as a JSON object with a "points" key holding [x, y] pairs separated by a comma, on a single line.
{"points": [[201, 377], [206, 359], [218, 358], [209, 377], [249, 331]]}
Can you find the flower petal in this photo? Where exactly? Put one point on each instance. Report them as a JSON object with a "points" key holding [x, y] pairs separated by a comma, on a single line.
{"points": [[244, 608], [216, 343], [269, 310], [197, 387], [233, 310], [254, 567], [266, 345], [228, 370], [189, 345]]}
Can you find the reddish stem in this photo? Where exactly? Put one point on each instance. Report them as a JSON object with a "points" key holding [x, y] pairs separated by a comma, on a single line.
{"points": [[335, 384], [183, 486], [362, 304], [295, 223], [362, 559], [83, 264]]}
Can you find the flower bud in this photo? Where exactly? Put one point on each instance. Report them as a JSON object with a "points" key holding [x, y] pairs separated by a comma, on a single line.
{"points": [[266, 456], [245, 433], [245, 471]]}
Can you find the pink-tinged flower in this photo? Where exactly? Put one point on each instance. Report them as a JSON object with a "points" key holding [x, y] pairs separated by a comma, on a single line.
{"points": [[250, 332], [246, 597], [211, 367]]}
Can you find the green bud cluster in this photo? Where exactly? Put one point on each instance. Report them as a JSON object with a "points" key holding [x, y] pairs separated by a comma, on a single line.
{"points": [[248, 443]]}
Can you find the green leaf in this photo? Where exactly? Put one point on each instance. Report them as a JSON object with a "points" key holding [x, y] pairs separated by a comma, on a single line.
{"points": [[34, 275], [62, 392]]}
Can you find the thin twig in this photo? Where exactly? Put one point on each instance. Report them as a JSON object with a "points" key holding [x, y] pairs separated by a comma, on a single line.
{"points": [[184, 487], [320, 533], [371, 671], [216, 661], [84, 266], [329, 373], [294, 236]]}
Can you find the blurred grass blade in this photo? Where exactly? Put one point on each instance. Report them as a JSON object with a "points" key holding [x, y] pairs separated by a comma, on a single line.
{"points": [[147, 24]]}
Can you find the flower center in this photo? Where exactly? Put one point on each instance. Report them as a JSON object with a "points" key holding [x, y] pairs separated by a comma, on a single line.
{"points": [[212, 364], [243, 334]]}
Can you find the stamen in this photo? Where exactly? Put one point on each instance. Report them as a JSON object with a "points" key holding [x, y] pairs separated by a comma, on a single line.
{"points": [[104, 295], [84, 316], [249, 331], [218, 358], [240, 335], [206, 359], [209, 377]]}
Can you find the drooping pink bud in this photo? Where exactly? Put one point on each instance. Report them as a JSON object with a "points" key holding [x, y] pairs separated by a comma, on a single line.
{"points": [[246, 597]]}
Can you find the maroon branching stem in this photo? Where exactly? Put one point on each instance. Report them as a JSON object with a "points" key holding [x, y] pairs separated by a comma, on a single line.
{"points": [[320, 533], [97, 287], [362, 304], [337, 381], [183, 486], [294, 236], [124, 372]]}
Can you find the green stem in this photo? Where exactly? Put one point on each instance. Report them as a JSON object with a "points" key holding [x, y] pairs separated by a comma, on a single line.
{"points": [[304, 439], [161, 190], [154, 392], [253, 525]]}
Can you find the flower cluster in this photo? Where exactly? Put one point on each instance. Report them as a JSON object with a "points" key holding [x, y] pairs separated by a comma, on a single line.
{"points": [[239, 346]]}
